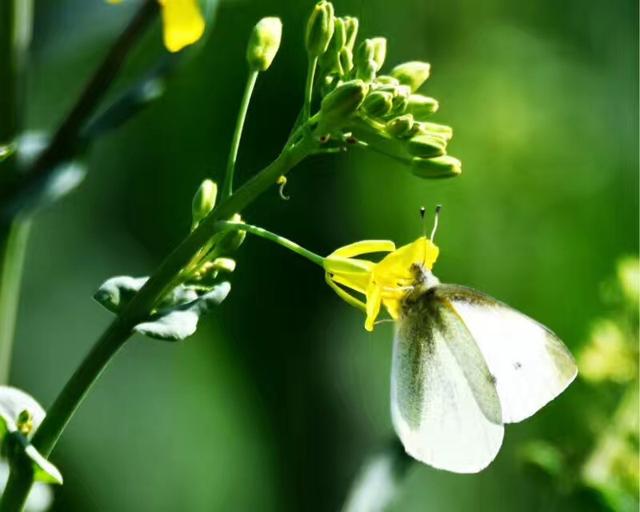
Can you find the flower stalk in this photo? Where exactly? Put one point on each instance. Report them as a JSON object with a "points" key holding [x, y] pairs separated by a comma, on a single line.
{"points": [[227, 188], [137, 310], [12, 253]]}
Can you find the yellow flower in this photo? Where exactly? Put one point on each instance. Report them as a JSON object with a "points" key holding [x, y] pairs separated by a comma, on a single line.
{"points": [[182, 22], [384, 283]]}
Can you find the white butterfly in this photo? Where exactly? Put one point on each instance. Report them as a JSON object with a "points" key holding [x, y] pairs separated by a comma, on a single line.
{"points": [[463, 365]]}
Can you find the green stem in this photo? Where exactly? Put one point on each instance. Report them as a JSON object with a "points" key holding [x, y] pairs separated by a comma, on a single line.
{"points": [[12, 251], [308, 88], [15, 33], [138, 308], [155, 288], [280, 240], [17, 489], [227, 188]]}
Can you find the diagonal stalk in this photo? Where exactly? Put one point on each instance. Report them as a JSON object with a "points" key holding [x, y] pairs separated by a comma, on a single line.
{"points": [[227, 187], [120, 329], [12, 252]]}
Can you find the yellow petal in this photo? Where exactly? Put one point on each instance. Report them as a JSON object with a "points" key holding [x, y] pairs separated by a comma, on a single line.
{"points": [[364, 247], [393, 306], [374, 298], [422, 252], [340, 265], [183, 23], [349, 299], [357, 282]]}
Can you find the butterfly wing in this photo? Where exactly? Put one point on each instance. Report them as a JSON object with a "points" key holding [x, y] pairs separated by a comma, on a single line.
{"points": [[530, 363], [444, 404]]}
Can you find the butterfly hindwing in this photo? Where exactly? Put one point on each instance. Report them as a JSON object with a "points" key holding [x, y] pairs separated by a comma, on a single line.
{"points": [[530, 363], [444, 403]]}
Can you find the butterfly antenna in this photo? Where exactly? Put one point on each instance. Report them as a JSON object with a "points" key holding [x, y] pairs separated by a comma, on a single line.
{"points": [[424, 224], [435, 222]]}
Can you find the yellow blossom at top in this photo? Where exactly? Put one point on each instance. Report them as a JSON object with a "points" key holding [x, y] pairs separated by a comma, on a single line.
{"points": [[182, 22], [383, 283]]}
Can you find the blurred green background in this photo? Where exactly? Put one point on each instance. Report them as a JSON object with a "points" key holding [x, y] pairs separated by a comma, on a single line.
{"points": [[276, 403]]}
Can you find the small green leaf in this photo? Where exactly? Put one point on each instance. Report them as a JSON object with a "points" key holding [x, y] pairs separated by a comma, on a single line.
{"points": [[180, 295], [43, 470], [180, 322], [172, 326], [117, 291]]}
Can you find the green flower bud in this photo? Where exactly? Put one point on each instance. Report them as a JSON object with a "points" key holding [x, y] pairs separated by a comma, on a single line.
{"points": [[231, 240], [366, 70], [400, 126], [345, 59], [351, 31], [441, 130], [328, 84], [24, 422], [379, 51], [387, 80], [203, 201], [426, 146], [378, 103], [444, 166], [412, 73], [264, 43], [340, 104], [421, 106], [401, 95], [369, 57], [339, 38], [223, 264], [330, 60], [320, 27]]}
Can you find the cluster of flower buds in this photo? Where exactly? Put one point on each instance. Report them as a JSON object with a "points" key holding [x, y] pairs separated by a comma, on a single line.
{"points": [[215, 257], [360, 103]]}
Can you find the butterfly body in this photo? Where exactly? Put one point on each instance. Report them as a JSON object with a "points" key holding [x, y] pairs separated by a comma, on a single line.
{"points": [[465, 364]]}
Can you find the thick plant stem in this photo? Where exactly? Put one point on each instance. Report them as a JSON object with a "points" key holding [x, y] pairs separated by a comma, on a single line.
{"points": [[63, 143], [17, 489], [12, 251], [121, 328], [227, 188]]}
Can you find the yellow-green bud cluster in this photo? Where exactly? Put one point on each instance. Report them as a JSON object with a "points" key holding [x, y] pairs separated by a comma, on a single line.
{"points": [[215, 256], [384, 110]]}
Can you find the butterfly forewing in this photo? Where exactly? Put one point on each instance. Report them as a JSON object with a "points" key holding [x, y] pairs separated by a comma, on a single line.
{"points": [[445, 407], [530, 364]]}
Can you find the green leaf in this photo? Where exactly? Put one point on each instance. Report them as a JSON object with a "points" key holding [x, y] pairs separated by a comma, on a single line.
{"points": [[43, 470], [117, 291], [180, 295], [180, 322]]}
